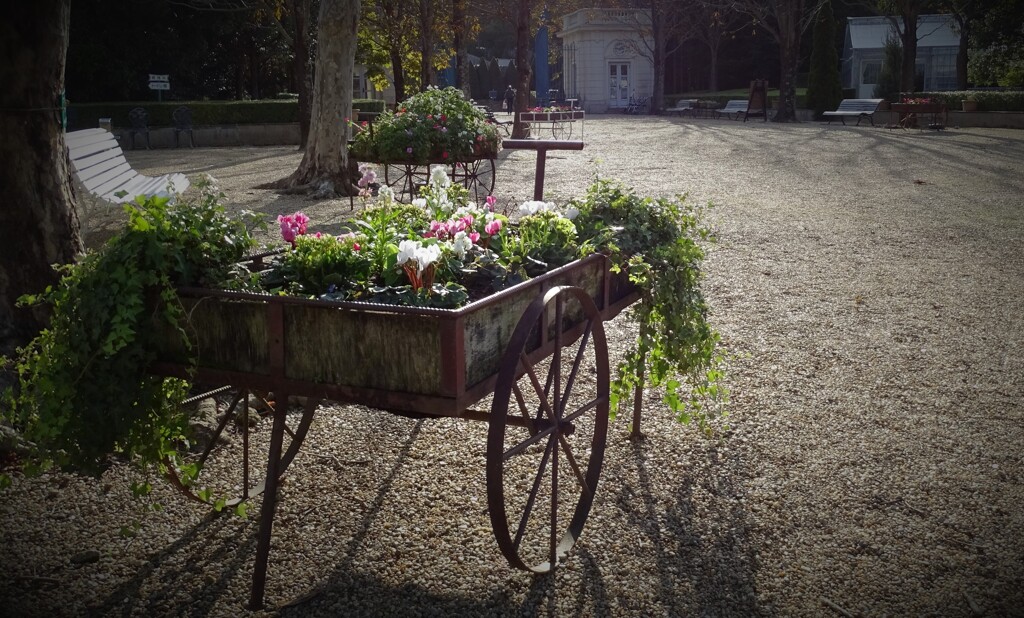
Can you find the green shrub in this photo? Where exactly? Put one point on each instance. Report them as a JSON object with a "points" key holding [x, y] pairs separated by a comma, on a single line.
{"points": [[988, 101], [204, 113]]}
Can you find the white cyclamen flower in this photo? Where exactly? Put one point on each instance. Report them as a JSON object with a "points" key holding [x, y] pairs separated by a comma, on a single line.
{"points": [[531, 208], [461, 244], [425, 256], [420, 202], [571, 213], [439, 177], [407, 251]]}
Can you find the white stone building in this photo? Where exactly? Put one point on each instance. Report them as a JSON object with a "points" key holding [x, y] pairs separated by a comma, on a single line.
{"points": [[603, 63]]}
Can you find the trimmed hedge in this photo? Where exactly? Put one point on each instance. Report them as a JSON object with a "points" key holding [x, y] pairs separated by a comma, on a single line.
{"points": [[204, 113], [988, 100]]}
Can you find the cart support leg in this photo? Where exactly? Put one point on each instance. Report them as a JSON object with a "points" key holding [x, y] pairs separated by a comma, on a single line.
{"points": [[259, 572]]}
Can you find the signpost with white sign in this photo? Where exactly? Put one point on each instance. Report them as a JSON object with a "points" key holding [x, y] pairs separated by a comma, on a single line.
{"points": [[159, 83]]}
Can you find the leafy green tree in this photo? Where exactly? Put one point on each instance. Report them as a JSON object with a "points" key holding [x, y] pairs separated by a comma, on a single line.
{"points": [[888, 86], [786, 21], [825, 90]]}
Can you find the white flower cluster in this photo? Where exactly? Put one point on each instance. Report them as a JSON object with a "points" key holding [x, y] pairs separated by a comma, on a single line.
{"points": [[414, 251], [533, 207]]}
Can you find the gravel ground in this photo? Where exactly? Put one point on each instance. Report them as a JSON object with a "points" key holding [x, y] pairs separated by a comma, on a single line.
{"points": [[870, 287]]}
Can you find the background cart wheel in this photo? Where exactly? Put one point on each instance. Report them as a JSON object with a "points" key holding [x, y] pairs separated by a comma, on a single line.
{"points": [[548, 429], [561, 129], [241, 441], [406, 179], [477, 176]]}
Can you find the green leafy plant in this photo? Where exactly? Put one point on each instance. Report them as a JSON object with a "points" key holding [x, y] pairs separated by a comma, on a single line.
{"points": [[437, 125], [658, 242], [84, 391]]}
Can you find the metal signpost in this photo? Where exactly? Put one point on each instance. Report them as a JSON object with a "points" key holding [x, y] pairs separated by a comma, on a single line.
{"points": [[159, 83]]}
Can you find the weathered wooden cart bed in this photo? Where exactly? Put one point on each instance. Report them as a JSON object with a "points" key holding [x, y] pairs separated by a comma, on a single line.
{"points": [[539, 347]]}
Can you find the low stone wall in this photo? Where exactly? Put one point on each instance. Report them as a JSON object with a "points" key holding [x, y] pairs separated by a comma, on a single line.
{"points": [[992, 120], [225, 135]]}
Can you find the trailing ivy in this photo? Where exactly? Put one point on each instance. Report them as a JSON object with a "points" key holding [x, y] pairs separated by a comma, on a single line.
{"points": [[659, 243], [84, 389]]}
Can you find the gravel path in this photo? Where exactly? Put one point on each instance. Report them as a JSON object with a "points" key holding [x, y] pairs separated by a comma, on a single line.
{"points": [[870, 286]]}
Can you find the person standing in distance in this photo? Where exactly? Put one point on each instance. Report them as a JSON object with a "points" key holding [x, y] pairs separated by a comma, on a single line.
{"points": [[510, 99]]}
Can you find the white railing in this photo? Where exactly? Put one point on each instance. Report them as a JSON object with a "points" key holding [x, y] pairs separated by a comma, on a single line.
{"points": [[605, 17]]}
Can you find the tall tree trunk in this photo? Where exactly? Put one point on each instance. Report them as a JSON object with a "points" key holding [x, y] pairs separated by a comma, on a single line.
{"points": [[910, 10], [713, 66], [461, 62], [426, 43], [300, 11], [38, 219], [789, 16], [963, 25], [523, 66], [658, 57], [325, 170], [397, 73]]}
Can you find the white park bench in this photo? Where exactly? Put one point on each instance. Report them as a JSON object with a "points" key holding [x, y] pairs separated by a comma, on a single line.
{"points": [[861, 108], [683, 107], [98, 162], [734, 108]]}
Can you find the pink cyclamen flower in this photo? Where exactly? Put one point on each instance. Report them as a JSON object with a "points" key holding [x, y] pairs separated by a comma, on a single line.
{"points": [[491, 201], [292, 225], [493, 227], [474, 236]]}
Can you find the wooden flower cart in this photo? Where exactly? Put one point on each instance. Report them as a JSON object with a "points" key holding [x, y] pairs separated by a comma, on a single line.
{"points": [[560, 123], [536, 350]]}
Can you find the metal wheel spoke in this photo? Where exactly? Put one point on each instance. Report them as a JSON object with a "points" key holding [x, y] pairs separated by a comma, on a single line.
{"points": [[556, 362], [583, 409], [575, 369], [531, 424], [542, 394], [533, 494], [575, 466], [527, 443]]}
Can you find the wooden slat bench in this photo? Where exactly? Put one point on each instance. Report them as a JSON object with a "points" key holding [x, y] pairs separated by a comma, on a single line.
{"points": [[683, 106], [733, 109], [99, 164], [861, 108]]}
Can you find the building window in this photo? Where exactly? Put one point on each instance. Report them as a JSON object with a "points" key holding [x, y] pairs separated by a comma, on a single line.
{"points": [[359, 86], [943, 74]]}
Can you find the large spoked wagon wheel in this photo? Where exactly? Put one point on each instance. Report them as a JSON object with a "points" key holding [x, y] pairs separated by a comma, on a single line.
{"points": [[239, 450], [477, 176], [406, 179], [548, 429]]}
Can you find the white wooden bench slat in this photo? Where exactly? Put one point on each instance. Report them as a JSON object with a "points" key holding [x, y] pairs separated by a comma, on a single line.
{"points": [[98, 162], [96, 147], [88, 172], [97, 181], [87, 136], [106, 183]]}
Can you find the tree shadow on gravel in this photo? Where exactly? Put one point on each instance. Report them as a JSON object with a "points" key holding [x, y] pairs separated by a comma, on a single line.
{"points": [[172, 575], [705, 560]]}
